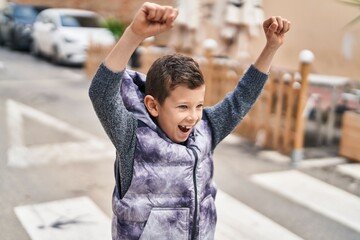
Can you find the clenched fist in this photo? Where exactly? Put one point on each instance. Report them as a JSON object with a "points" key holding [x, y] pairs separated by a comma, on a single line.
{"points": [[152, 19]]}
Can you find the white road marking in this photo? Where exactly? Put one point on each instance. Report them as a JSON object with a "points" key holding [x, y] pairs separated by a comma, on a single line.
{"points": [[79, 218], [352, 169], [238, 221], [321, 162], [89, 147], [319, 196], [274, 156], [70, 219], [277, 157], [233, 139]]}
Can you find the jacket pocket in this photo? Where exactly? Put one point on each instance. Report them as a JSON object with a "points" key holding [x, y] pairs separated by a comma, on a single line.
{"points": [[207, 218], [167, 223]]}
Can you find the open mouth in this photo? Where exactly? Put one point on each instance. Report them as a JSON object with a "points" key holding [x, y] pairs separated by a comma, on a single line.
{"points": [[184, 129]]}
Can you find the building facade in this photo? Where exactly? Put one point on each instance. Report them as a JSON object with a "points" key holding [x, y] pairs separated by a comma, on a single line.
{"points": [[122, 10], [319, 26]]}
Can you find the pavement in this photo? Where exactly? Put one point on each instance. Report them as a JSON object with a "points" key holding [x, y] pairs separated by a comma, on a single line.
{"points": [[316, 199], [61, 194], [322, 162]]}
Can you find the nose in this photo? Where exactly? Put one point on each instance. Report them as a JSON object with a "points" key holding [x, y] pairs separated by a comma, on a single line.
{"points": [[192, 116]]}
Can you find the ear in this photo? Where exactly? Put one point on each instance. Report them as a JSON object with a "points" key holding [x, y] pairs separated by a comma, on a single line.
{"points": [[151, 105]]}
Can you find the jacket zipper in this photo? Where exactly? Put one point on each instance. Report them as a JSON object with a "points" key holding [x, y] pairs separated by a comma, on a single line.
{"points": [[193, 231]]}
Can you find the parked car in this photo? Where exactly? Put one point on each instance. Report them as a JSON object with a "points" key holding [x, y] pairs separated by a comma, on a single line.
{"points": [[64, 35], [16, 24]]}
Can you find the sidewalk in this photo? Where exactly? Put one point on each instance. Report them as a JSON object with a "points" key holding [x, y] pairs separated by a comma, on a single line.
{"points": [[322, 162]]}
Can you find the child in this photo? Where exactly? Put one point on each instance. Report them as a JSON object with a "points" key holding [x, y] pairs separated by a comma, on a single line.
{"points": [[164, 137]]}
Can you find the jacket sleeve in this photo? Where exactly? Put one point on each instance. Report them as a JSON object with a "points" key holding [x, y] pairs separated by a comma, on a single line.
{"points": [[119, 124], [227, 114]]}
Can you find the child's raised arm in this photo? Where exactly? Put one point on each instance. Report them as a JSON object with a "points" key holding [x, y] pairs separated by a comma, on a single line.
{"points": [[151, 19], [227, 114], [275, 29]]}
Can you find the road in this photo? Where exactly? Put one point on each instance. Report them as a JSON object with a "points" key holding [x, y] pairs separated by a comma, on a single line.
{"points": [[56, 170]]}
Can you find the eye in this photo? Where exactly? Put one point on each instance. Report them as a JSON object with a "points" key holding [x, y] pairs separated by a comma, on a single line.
{"points": [[183, 107], [200, 106]]}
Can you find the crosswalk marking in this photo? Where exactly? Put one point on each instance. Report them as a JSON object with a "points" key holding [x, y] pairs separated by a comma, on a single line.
{"points": [[87, 148], [321, 162], [238, 221], [352, 169], [274, 156], [79, 218], [319, 196], [70, 219]]}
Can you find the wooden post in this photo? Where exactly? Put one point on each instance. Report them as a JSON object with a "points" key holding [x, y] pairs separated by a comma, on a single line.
{"points": [[278, 113], [269, 129], [306, 57], [209, 47], [288, 78]]}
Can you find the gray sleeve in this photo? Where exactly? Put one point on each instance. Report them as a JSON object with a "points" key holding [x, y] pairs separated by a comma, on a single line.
{"points": [[119, 124], [227, 114]]}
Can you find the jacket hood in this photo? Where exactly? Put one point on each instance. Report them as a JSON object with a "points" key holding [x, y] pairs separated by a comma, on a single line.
{"points": [[132, 91]]}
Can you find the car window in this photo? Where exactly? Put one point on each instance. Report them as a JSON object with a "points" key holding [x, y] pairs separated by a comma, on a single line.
{"points": [[47, 19], [26, 13], [80, 21], [44, 18]]}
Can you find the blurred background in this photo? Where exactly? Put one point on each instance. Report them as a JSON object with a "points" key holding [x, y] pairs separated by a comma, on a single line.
{"points": [[290, 170]]}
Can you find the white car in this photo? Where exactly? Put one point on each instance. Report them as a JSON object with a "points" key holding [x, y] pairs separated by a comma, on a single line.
{"points": [[64, 35]]}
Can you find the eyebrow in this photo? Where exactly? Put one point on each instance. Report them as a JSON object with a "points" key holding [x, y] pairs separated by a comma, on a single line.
{"points": [[187, 103]]}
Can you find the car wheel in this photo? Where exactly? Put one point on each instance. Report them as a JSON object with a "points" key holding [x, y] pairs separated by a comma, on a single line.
{"points": [[2, 42], [55, 57], [13, 41], [34, 50]]}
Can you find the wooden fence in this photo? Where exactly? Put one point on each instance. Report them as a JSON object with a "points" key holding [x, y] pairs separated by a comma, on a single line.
{"points": [[349, 144], [271, 123], [276, 120]]}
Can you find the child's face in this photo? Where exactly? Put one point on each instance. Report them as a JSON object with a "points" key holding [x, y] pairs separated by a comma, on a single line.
{"points": [[180, 112]]}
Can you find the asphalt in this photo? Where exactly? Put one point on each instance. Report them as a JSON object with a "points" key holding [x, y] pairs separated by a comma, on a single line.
{"points": [[323, 162]]}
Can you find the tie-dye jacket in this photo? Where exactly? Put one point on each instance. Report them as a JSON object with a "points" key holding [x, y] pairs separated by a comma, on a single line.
{"points": [[164, 190]]}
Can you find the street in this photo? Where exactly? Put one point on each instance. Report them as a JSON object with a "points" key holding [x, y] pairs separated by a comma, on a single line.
{"points": [[56, 170]]}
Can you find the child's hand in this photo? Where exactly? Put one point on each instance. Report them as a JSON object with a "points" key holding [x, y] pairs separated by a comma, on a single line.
{"points": [[275, 29], [152, 19]]}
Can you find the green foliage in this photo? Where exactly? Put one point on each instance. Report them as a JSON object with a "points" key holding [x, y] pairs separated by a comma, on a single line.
{"points": [[115, 26], [354, 3]]}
